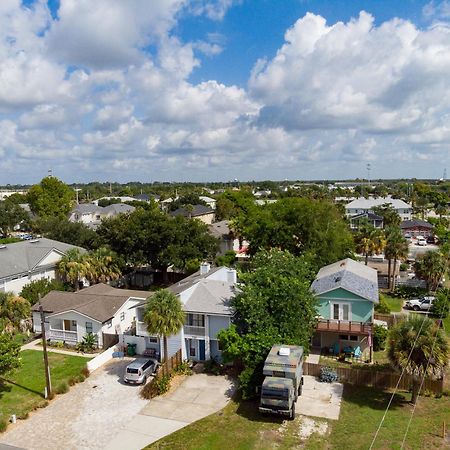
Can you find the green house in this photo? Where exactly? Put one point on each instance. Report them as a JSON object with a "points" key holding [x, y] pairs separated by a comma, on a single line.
{"points": [[347, 292]]}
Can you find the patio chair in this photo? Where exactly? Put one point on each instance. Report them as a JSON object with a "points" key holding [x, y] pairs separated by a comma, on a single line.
{"points": [[334, 350], [358, 353]]}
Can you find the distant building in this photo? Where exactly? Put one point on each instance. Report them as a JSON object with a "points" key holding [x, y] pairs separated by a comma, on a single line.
{"points": [[200, 212], [211, 202], [366, 205], [373, 219], [92, 215], [416, 228]]}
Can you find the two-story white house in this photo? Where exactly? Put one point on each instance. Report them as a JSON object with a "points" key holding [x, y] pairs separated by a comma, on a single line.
{"points": [[27, 261], [92, 215], [365, 205], [205, 297]]}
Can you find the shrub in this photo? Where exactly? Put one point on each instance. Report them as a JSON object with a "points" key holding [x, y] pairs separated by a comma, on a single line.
{"points": [[328, 375], [403, 267], [408, 291], [183, 369], [214, 367], [163, 384], [88, 344], [85, 372], [441, 304], [3, 424], [62, 388], [379, 337], [382, 307]]}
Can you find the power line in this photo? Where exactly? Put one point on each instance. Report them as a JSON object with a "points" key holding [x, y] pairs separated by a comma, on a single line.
{"points": [[396, 387]]}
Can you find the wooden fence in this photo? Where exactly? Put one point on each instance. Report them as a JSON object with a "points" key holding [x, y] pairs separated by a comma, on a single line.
{"points": [[390, 319], [376, 378]]}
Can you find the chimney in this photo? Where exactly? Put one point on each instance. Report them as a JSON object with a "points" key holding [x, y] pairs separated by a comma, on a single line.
{"points": [[205, 267], [231, 276]]}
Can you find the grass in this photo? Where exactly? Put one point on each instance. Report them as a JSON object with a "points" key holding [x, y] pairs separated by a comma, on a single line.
{"points": [[394, 303], [239, 426], [380, 359], [22, 391]]}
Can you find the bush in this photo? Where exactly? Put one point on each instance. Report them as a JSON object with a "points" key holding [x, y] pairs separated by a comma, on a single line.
{"points": [[379, 337], [328, 375], [163, 384], [213, 367], [88, 344], [441, 305], [403, 267], [382, 307], [183, 368], [408, 292], [62, 388], [3, 424]]}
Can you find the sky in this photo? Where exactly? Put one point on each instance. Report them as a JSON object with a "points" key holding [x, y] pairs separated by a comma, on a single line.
{"points": [[217, 90]]}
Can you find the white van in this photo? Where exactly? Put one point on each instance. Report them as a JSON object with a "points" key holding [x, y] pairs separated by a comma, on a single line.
{"points": [[420, 240]]}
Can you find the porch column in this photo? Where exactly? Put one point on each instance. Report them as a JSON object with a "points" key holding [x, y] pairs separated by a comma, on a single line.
{"points": [[207, 343]]}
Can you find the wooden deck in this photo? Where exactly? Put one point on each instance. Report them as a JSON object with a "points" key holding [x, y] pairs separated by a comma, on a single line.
{"points": [[344, 326]]}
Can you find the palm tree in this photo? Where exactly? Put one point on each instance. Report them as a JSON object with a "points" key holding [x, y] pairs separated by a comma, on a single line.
{"points": [[396, 249], [13, 309], [164, 315], [103, 266], [369, 241], [418, 347], [73, 267], [431, 267]]}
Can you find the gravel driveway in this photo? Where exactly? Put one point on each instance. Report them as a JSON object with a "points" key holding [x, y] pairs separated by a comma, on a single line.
{"points": [[87, 417]]}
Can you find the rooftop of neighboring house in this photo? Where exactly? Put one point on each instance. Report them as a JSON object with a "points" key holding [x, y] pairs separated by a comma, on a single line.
{"points": [[371, 202], [24, 256], [91, 208], [86, 208], [191, 280], [219, 229], [100, 302], [197, 210], [350, 275], [207, 199], [369, 215], [415, 223], [118, 208]]}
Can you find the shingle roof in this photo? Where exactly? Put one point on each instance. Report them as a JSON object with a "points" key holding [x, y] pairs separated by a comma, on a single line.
{"points": [[367, 203], [189, 281], [118, 208], [219, 229], [211, 297], [369, 215], [22, 257], [197, 210], [87, 208], [100, 302], [349, 275], [415, 223]]}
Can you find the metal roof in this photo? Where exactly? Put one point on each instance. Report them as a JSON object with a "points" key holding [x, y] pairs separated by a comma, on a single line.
{"points": [[367, 203], [350, 275]]}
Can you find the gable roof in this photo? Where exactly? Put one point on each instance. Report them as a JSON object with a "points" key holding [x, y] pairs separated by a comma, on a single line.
{"points": [[22, 257], [369, 215], [118, 208], [211, 297], [367, 203], [219, 229], [350, 275], [191, 280], [100, 302], [197, 210], [415, 223]]}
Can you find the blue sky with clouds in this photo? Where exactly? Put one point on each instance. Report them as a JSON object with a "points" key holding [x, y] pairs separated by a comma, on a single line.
{"points": [[201, 90]]}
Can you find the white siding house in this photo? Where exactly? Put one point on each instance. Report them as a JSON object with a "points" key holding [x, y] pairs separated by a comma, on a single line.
{"points": [[365, 205]]}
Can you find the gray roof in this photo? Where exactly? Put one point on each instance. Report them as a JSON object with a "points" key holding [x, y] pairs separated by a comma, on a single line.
{"points": [[197, 210], [22, 257], [368, 203], [119, 208], [219, 229], [211, 297], [369, 215], [189, 281], [350, 275], [415, 223], [100, 302], [87, 208]]}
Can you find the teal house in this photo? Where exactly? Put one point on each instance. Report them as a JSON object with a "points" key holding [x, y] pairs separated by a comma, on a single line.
{"points": [[347, 292]]}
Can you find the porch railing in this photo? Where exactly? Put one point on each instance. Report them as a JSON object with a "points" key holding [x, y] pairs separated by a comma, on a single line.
{"points": [[194, 331], [63, 335], [141, 329], [344, 326]]}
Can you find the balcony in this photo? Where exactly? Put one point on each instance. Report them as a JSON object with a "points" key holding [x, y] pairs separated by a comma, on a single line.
{"points": [[141, 329], [194, 331], [337, 326], [62, 335]]}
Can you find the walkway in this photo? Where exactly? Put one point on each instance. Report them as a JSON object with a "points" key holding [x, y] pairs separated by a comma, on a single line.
{"points": [[37, 345]]}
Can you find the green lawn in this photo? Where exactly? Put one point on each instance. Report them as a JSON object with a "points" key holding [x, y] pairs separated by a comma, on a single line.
{"points": [[239, 426], [23, 390], [394, 303]]}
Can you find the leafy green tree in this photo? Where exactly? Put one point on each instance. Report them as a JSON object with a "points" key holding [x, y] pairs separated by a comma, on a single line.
{"points": [[11, 215], [164, 315], [301, 226], [431, 268], [232, 204], [395, 250], [389, 215], [75, 233], [369, 241], [73, 267], [50, 198], [441, 304], [418, 347], [40, 288], [104, 266], [9, 354], [380, 335], [275, 305], [13, 309]]}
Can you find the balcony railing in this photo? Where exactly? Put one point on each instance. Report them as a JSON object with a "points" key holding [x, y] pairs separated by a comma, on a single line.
{"points": [[194, 331], [344, 326], [62, 335], [141, 329]]}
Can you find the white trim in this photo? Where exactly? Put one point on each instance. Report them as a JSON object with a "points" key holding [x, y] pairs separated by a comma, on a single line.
{"points": [[77, 312], [341, 311], [45, 256]]}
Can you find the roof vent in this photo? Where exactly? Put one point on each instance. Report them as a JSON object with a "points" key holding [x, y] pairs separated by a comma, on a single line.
{"points": [[284, 351], [337, 279]]}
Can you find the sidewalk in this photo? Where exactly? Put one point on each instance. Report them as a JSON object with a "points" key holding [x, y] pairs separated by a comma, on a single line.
{"points": [[36, 345]]}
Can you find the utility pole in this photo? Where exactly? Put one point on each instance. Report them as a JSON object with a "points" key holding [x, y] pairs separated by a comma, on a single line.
{"points": [[48, 382]]}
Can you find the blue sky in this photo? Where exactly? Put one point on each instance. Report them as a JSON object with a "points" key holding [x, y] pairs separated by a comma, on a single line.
{"points": [[198, 90]]}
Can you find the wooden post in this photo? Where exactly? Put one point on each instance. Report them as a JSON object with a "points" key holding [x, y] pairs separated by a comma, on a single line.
{"points": [[443, 430], [48, 381]]}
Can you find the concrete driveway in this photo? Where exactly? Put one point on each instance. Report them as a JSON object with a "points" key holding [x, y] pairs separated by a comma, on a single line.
{"points": [[320, 399], [198, 396]]}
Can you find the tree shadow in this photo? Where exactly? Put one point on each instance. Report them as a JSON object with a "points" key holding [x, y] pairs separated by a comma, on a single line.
{"points": [[249, 410], [4, 388], [373, 398]]}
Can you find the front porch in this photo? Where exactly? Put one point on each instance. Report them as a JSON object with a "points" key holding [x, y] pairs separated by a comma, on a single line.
{"points": [[69, 337]]}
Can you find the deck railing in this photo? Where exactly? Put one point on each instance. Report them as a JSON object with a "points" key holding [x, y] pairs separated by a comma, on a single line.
{"points": [[63, 335], [194, 331], [344, 326]]}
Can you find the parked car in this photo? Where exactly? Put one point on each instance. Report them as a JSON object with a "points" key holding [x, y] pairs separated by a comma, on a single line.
{"points": [[420, 240], [431, 240], [139, 370], [420, 304]]}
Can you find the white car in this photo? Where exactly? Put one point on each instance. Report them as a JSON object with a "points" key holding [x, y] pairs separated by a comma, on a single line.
{"points": [[420, 240], [420, 304]]}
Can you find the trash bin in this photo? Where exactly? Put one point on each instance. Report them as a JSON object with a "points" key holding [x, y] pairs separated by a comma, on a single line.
{"points": [[131, 350]]}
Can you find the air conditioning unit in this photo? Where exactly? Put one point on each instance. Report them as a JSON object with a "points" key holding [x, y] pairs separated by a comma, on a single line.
{"points": [[284, 351]]}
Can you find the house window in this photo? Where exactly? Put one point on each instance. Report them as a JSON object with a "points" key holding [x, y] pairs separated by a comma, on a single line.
{"points": [[122, 316], [74, 323], [191, 349], [89, 327], [346, 337], [341, 311], [109, 323], [195, 320], [152, 339]]}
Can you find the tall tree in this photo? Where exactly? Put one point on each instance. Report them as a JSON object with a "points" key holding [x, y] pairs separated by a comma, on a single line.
{"points": [[369, 241], [418, 347], [73, 267], [39, 288], [275, 305], [431, 268], [390, 216], [164, 315], [104, 266], [9, 354], [11, 215], [50, 198], [13, 309], [396, 249]]}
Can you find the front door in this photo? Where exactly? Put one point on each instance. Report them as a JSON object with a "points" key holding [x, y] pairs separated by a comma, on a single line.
{"points": [[341, 311], [67, 324], [202, 356]]}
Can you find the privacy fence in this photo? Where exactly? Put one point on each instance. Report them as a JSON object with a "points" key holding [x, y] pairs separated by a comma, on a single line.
{"points": [[376, 378]]}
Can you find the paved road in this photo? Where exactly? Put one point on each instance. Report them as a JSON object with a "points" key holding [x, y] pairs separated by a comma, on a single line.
{"points": [[105, 413]]}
